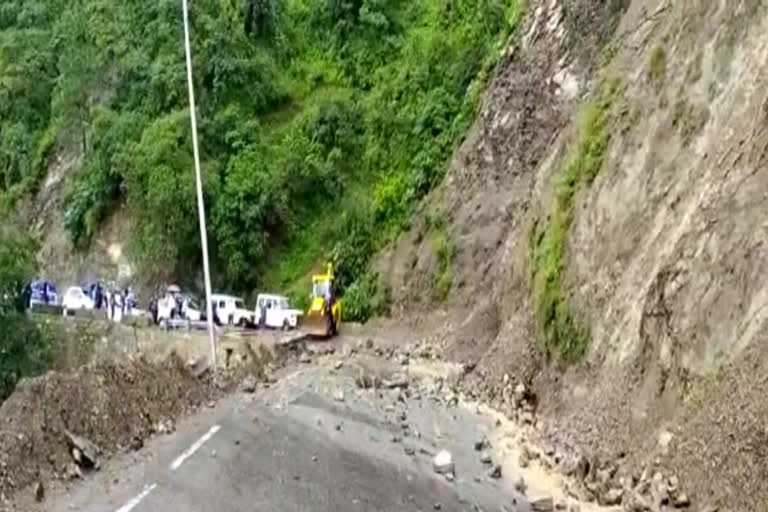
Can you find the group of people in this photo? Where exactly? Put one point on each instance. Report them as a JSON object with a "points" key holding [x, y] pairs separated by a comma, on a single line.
{"points": [[115, 302]]}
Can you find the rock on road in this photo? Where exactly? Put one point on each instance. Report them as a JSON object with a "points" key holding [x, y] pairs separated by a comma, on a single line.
{"points": [[294, 447]]}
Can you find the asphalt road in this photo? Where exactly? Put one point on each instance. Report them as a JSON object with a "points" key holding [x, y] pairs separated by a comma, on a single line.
{"points": [[296, 447]]}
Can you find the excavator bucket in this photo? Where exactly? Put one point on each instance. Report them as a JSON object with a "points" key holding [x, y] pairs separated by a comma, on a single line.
{"points": [[316, 322], [316, 325]]}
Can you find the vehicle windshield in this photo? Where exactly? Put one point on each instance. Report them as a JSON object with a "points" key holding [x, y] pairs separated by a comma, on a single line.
{"points": [[321, 289], [239, 304], [284, 304]]}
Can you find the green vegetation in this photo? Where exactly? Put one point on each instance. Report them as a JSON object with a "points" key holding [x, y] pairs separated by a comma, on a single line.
{"points": [[442, 276], [559, 327], [322, 122], [657, 65], [23, 350], [364, 298]]}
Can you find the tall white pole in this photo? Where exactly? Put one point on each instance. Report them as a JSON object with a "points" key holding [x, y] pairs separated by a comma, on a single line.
{"points": [[200, 202]]}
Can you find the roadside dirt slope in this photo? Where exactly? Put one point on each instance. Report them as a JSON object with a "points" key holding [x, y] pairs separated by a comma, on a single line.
{"points": [[665, 259]]}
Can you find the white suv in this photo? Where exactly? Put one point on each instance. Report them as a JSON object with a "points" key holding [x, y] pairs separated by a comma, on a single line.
{"points": [[232, 311], [274, 311]]}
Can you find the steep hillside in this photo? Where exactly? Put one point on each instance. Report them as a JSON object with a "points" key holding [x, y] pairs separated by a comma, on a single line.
{"points": [[323, 122], [602, 233]]}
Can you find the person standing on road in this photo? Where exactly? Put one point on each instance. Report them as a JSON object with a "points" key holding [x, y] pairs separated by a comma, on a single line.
{"points": [[111, 305], [153, 309]]}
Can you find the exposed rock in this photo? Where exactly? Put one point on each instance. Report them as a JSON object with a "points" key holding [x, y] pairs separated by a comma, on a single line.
{"points": [[442, 463], [397, 380], [338, 364], [137, 443], [612, 497], [409, 451], [635, 502], [681, 501], [482, 444], [495, 472], [665, 439], [84, 452], [39, 492], [249, 384], [338, 395], [73, 472], [305, 358], [369, 343], [485, 457], [543, 505]]}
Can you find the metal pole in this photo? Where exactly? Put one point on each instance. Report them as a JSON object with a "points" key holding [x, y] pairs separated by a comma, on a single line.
{"points": [[200, 202]]}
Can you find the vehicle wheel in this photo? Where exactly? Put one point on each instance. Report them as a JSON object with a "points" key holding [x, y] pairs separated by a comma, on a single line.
{"points": [[286, 325], [243, 323]]}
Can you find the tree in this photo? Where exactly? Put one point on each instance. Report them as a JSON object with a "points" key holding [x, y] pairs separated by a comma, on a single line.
{"points": [[23, 351]]}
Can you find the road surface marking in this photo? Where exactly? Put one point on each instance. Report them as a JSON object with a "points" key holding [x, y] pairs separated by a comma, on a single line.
{"points": [[192, 449], [135, 501]]}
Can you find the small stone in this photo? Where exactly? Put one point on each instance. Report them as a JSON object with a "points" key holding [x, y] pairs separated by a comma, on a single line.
{"points": [[396, 439], [338, 427], [682, 501], [369, 343], [409, 451], [543, 505], [442, 463], [495, 472], [213, 454], [249, 384], [521, 486], [305, 358], [485, 457], [39, 492], [449, 477], [338, 364], [438, 506], [398, 380], [612, 497], [211, 404], [527, 418], [482, 444], [314, 458], [339, 395], [665, 439]]}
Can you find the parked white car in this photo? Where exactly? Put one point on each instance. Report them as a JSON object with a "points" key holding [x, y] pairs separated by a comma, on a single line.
{"points": [[177, 306], [232, 311], [75, 298], [274, 311]]}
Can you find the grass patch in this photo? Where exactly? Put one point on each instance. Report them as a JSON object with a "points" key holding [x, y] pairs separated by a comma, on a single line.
{"points": [[561, 331], [657, 65], [442, 277]]}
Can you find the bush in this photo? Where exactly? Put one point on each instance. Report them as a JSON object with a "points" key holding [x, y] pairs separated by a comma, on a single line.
{"points": [[365, 298]]}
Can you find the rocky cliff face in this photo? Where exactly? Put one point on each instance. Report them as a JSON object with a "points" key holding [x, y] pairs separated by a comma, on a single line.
{"points": [[639, 130]]}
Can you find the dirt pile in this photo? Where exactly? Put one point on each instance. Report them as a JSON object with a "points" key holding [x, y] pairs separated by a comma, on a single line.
{"points": [[114, 406], [653, 266]]}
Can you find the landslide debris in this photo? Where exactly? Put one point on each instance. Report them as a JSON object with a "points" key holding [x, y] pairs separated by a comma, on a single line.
{"points": [[59, 426]]}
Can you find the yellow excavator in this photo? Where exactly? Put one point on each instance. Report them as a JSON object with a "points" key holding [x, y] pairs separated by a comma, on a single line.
{"points": [[323, 320]]}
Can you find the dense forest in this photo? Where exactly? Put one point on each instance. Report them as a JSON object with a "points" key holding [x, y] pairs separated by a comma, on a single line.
{"points": [[322, 122]]}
